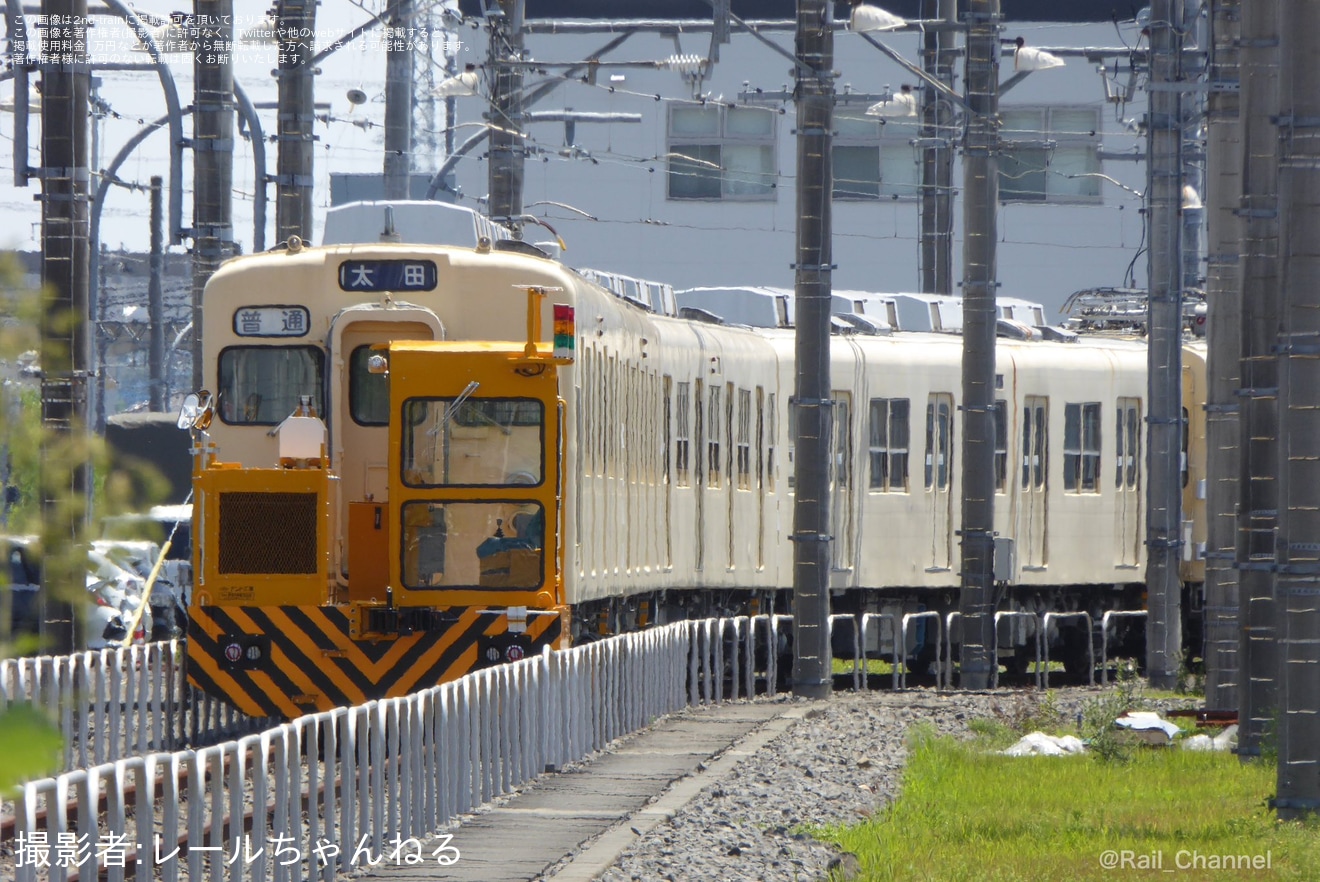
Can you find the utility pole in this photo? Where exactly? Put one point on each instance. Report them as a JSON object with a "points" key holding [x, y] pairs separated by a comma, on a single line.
{"points": [[1298, 554], [156, 302], [1164, 153], [65, 348], [213, 155], [398, 104], [812, 415], [507, 151], [1258, 421], [296, 23], [937, 154], [1223, 344], [976, 601]]}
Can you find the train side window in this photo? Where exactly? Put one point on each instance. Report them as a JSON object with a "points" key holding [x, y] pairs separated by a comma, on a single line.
{"points": [[939, 440], [770, 444], [1127, 439], [683, 409], [368, 393], [1035, 445], [1081, 447], [744, 439], [261, 385], [713, 438], [889, 433], [1187, 435], [1001, 445]]}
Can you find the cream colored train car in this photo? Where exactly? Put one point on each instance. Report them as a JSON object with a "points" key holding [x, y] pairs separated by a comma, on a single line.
{"points": [[425, 458]]}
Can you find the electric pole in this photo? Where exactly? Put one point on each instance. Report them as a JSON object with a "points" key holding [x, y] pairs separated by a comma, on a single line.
{"points": [[1258, 421], [976, 601], [507, 151], [936, 204], [296, 24], [65, 348], [399, 103], [812, 412], [213, 155], [156, 303], [1164, 152], [1298, 554], [1223, 344]]}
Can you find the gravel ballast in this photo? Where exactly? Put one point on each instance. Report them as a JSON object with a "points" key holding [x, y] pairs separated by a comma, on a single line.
{"points": [[840, 764]]}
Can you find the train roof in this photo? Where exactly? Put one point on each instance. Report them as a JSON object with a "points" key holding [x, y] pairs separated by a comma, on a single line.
{"points": [[416, 222]]}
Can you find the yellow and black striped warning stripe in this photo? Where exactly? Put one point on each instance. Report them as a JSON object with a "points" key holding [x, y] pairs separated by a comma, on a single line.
{"points": [[290, 660]]}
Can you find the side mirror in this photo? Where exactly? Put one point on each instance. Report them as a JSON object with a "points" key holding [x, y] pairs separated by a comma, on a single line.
{"points": [[196, 411]]}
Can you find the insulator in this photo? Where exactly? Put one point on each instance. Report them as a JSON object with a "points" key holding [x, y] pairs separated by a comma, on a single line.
{"points": [[688, 64]]}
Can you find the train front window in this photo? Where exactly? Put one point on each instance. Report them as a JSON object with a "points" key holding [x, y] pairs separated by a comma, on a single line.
{"points": [[492, 545], [368, 393], [261, 385], [479, 442]]}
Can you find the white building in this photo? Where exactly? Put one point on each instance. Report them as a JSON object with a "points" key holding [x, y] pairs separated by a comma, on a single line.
{"points": [[701, 190]]}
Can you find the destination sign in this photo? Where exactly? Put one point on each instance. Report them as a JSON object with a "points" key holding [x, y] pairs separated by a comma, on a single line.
{"points": [[272, 321], [388, 275]]}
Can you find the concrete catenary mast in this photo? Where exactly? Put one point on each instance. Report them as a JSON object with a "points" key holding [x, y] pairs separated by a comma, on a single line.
{"points": [[1223, 342], [398, 104], [937, 153], [812, 418], [1258, 421], [980, 203], [213, 154], [507, 151], [296, 26], [1164, 143], [1298, 551], [65, 348]]}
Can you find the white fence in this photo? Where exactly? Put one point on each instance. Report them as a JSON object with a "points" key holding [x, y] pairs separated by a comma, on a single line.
{"points": [[110, 703], [335, 791]]}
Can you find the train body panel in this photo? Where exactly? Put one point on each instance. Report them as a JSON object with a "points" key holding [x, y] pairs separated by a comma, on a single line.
{"points": [[499, 454]]}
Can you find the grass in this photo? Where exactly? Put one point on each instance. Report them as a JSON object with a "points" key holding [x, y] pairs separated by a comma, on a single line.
{"points": [[968, 813]]}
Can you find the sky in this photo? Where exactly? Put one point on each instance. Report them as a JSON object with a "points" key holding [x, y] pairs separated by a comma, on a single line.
{"points": [[350, 141]]}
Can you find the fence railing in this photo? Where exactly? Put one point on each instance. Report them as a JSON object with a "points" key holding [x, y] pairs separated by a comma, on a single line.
{"points": [[340, 790], [116, 703]]}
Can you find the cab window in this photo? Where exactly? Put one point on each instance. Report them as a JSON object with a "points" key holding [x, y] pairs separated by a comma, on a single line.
{"points": [[368, 393], [478, 441], [261, 385]]}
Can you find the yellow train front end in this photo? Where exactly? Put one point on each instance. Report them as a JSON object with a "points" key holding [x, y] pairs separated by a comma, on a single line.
{"points": [[458, 567]]}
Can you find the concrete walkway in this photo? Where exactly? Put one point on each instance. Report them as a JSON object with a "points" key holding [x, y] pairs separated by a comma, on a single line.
{"points": [[608, 803]]}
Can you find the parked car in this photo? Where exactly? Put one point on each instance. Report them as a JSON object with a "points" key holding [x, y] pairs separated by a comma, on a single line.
{"points": [[116, 594]]}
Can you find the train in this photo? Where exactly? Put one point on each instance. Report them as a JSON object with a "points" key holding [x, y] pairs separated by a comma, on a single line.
{"points": [[426, 446]]}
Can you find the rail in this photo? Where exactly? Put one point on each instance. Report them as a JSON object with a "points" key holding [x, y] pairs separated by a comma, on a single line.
{"points": [[330, 792]]}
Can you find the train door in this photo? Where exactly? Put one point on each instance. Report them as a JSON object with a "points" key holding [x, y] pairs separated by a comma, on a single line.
{"points": [[1127, 438], [939, 477], [1035, 446], [359, 407]]}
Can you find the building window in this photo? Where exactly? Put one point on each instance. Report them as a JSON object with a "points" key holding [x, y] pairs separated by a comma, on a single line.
{"points": [[890, 429], [874, 158], [720, 152], [1081, 447], [1050, 154], [1128, 444]]}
